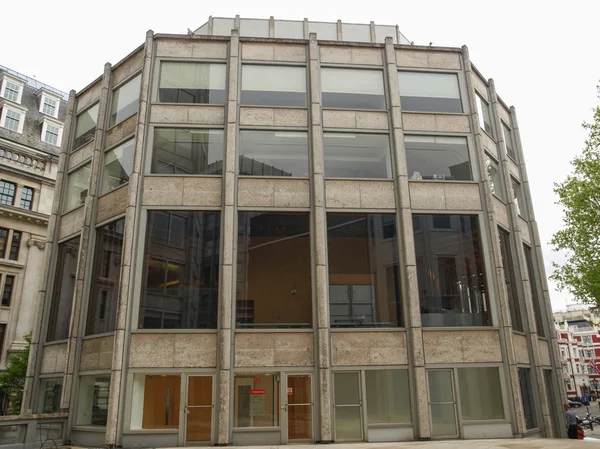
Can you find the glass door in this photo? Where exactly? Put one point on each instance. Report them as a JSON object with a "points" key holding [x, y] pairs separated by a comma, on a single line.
{"points": [[299, 407], [347, 406], [199, 410], [442, 403]]}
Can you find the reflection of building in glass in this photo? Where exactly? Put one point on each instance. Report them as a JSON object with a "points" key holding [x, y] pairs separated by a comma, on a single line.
{"points": [[252, 167]]}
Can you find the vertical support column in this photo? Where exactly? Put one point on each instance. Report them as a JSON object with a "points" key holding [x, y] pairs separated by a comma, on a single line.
{"points": [[42, 304], [319, 225], [228, 237], [121, 343], [85, 244], [505, 324], [406, 251]]}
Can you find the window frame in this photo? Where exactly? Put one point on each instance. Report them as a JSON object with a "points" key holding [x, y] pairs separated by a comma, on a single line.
{"points": [[48, 122], [76, 122], [5, 77], [116, 88], [64, 207], [158, 78], [4, 281], [502, 186], [380, 70], [15, 247], [461, 96], [14, 184], [124, 145], [507, 131], [16, 110], [276, 65], [47, 96], [481, 101], [30, 200], [519, 195]]}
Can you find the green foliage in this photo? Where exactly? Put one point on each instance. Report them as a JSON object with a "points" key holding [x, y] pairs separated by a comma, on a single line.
{"points": [[12, 381], [579, 195]]}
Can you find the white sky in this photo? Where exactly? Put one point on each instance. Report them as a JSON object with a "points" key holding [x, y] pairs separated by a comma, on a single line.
{"points": [[542, 56]]}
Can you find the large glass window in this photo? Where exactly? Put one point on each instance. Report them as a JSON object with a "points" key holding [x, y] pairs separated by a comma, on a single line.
{"points": [[450, 270], [437, 158], [273, 85], [62, 292], [104, 293], [3, 242], [192, 82], [273, 153], [352, 89], [78, 183], [85, 127], [539, 308], [49, 395], [483, 108], [15, 246], [527, 397], [273, 289], [510, 279], [182, 151], [118, 165], [508, 140], [256, 400], [92, 401], [475, 384], [7, 291], [181, 282], [7, 192], [388, 397], [125, 101], [495, 176], [519, 198], [156, 401], [351, 155], [429, 92], [364, 284]]}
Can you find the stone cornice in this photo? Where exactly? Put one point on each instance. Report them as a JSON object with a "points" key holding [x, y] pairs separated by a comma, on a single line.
{"points": [[23, 215]]}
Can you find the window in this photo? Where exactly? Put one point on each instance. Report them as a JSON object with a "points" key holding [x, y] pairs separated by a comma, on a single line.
{"points": [[451, 273], [7, 192], [2, 336], [118, 165], [273, 153], [495, 177], [125, 101], [49, 105], [347, 408], [519, 198], [3, 242], [92, 401], [49, 395], [388, 396], [590, 369], [12, 89], [85, 127], [181, 282], [364, 283], [27, 198], [587, 340], [256, 400], [274, 290], [106, 273], [273, 86], [181, 151], [192, 82], [78, 182], [527, 398], [15, 246], [510, 280], [62, 292], [483, 109], [437, 158], [52, 133], [429, 92], [350, 155], [156, 401], [352, 89], [478, 383], [12, 118], [538, 301], [508, 141], [9, 282]]}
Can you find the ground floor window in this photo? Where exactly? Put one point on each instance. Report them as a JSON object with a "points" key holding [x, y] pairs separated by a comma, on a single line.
{"points": [[388, 398], [256, 400], [92, 402], [156, 401], [527, 397], [50, 391], [480, 394]]}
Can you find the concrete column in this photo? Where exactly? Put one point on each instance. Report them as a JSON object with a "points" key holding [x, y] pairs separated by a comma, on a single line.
{"points": [[498, 278], [41, 305], [406, 251], [116, 402], [228, 244], [319, 242]]}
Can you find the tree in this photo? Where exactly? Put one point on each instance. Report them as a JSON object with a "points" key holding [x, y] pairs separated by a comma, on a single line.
{"points": [[579, 195], [12, 381]]}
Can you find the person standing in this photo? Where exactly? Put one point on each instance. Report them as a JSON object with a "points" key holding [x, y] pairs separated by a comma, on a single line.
{"points": [[571, 422]]}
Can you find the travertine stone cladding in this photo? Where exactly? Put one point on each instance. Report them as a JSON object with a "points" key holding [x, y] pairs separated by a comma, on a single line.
{"points": [[187, 115], [504, 114], [181, 191], [54, 358], [513, 168], [71, 223], [112, 204], [428, 59], [360, 194], [82, 154], [173, 48], [521, 351], [255, 51], [355, 119], [436, 122], [501, 212], [273, 192], [544, 352], [368, 348], [128, 67], [264, 349], [96, 353], [89, 97], [468, 346], [489, 145], [444, 196], [273, 117], [119, 132], [173, 350], [524, 228], [351, 55], [481, 86]]}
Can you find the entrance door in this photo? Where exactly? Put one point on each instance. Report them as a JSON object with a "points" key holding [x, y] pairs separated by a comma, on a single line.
{"points": [[442, 403], [199, 410], [347, 406], [299, 407]]}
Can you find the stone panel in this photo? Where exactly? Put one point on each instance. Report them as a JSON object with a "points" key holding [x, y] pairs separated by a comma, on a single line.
{"points": [[71, 223], [489, 145], [427, 195], [444, 196], [97, 353], [128, 67], [462, 196], [501, 212], [180, 350], [118, 132], [54, 358], [377, 194], [202, 191], [513, 168], [342, 194], [209, 50], [504, 114], [187, 114], [454, 123], [462, 346], [351, 55], [112, 204], [368, 348], [273, 117], [273, 52], [544, 350], [82, 154], [480, 85], [355, 119], [163, 190], [521, 349], [90, 96], [524, 228], [270, 192], [264, 349], [443, 60]]}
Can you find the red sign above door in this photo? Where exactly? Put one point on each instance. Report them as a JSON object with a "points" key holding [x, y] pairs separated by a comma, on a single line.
{"points": [[258, 392]]}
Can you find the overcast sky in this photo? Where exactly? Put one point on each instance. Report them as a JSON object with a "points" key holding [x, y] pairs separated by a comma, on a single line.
{"points": [[543, 57]]}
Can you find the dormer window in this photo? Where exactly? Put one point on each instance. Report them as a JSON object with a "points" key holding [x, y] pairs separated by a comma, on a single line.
{"points": [[51, 131], [12, 117], [11, 88], [49, 103]]}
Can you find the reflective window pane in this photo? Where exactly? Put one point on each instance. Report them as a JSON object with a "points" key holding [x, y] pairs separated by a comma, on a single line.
{"points": [[348, 423], [273, 289], [388, 397], [364, 284], [182, 151], [496, 179], [118, 165], [181, 282], [483, 109], [450, 271], [476, 384], [347, 408], [508, 141], [78, 183], [192, 82], [429, 92], [256, 400], [156, 401], [49, 395], [437, 158], [350, 155], [85, 127], [92, 400], [273, 153], [106, 274], [125, 101], [539, 308], [352, 89], [273, 86], [519, 198], [510, 280], [527, 398]]}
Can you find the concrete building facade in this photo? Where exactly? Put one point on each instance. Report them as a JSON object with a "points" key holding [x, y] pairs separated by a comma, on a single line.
{"points": [[289, 231]]}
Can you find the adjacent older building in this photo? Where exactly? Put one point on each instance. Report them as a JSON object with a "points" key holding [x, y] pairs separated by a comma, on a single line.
{"points": [[272, 231], [31, 124]]}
